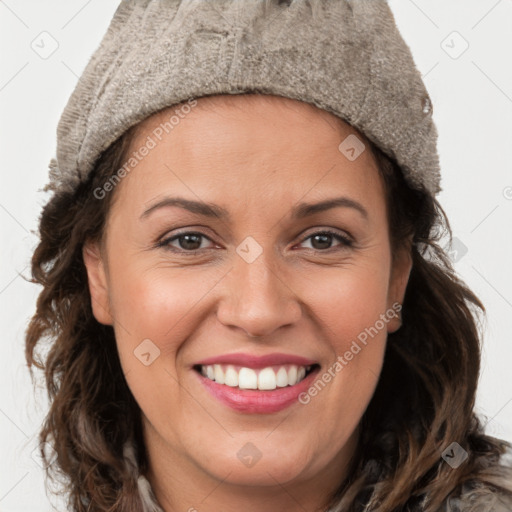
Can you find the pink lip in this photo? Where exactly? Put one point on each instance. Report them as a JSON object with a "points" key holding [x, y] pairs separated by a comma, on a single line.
{"points": [[255, 401], [252, 361]]}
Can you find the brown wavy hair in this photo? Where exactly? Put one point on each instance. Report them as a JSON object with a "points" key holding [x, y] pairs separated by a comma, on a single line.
{"points": [[423, 402]]}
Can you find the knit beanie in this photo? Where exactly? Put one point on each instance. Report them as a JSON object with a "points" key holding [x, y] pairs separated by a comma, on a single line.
{"points": [[344, 56]]}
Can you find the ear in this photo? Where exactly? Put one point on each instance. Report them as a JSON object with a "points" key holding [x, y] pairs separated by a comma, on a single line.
{"points": [[400, 272], [98, 283]]}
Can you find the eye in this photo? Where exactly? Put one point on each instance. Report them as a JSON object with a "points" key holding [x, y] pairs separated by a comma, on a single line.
{"points": [[321, 240], [188, 242], [191, 242]]}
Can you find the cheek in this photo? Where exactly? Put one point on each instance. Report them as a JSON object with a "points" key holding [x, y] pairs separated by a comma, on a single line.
{"points": [[156, 310], [352, 306], [349, 299], [160, 303]]}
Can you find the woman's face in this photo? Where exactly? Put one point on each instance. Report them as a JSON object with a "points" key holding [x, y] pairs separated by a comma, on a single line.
{"points": [[256, 275]]}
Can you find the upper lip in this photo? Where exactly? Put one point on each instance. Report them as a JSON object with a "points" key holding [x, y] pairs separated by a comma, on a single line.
{"points": [[253, 361]]}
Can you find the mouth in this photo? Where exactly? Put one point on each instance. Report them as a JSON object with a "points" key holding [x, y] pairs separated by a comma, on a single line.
{"points": [[256, 391], [268, 378]]}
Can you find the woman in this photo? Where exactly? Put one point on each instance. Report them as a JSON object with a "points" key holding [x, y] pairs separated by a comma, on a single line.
{"points": [[242, 278]]}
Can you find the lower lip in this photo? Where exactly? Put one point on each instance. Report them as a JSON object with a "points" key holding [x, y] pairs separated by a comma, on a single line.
{"points": [[254, 401]]}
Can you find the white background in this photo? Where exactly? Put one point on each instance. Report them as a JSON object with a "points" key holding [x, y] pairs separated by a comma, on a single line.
{"points": [[472, 97]]}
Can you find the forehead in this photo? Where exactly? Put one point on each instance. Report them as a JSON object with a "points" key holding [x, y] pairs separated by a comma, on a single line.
{"points": [[249, 146], [261, 112]]}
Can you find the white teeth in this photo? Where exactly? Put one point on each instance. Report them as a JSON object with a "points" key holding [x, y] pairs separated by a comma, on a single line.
{"points": [[219, 374], [292, 375], [247, 379], [268, 378], [282, 378], [231, 377]]}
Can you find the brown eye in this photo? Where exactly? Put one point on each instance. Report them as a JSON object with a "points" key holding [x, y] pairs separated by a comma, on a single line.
{"points": [[322, 240], [187, 242], [190, 242]]}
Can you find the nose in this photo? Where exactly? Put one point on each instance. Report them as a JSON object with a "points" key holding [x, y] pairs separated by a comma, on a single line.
{"points": [[258, 298]]}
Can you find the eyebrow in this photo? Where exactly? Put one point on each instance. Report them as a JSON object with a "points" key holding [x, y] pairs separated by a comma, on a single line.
{"points": [[215, 211]]}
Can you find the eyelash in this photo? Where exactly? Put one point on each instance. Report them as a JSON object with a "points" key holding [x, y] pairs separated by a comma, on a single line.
{"points": [[346, 241]]}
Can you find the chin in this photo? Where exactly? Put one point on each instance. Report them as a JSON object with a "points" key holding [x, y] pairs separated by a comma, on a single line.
{"points": [[266, 472]]}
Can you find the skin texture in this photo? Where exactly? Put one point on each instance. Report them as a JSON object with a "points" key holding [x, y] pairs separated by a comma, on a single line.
{"points": [[257, 157]]}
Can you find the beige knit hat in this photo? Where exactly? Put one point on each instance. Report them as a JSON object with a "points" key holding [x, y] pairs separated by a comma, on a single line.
{"points": [[344, 56]]}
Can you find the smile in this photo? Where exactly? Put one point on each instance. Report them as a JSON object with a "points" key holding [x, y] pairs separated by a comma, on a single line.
{"points": [[268, 378], [257, 391]]}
